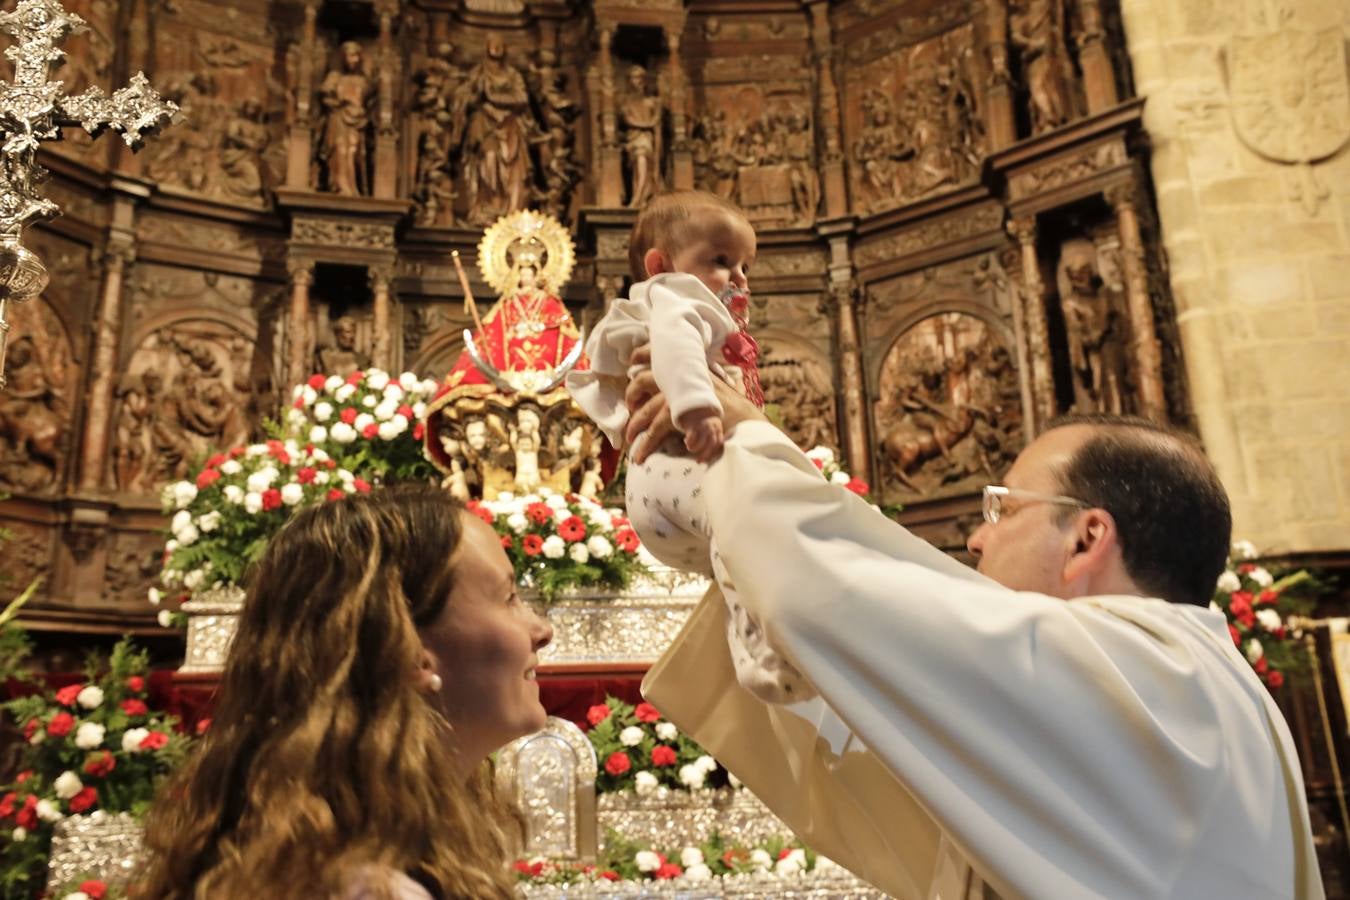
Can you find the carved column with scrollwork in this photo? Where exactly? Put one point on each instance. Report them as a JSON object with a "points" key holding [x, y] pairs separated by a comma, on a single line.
{"points": [[1011, 260], [1099, 79], [827, 105], [1144, 345], [682, 160], [609, 186], [380, 277], [297, 325], [1001, 120], [116, 257], [1037, 327], [302, 127], [386, 136]]}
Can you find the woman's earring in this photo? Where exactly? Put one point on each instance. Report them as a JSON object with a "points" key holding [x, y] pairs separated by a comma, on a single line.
{"points": [[435, 682]]}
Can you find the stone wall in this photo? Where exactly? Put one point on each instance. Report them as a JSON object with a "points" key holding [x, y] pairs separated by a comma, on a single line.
{"points": [[1248, 113]]}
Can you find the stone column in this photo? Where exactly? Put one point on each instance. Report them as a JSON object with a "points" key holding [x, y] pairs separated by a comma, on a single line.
{"points": [[1146, 351], [682, 160], [379, 277], [1037, 328], [1001, 120], [609, 186], [834, 186], [386, 136], [118, 253], [1010, 259], [1099, 79], [300, 148], [297, 325]]}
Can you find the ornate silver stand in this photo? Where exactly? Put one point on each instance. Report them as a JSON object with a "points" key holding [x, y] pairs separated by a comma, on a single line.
{"points": [[105, 846], [213, 616]]}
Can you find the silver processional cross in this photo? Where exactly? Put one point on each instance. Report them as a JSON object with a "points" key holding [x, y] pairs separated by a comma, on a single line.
{"points": [[32, 110]]}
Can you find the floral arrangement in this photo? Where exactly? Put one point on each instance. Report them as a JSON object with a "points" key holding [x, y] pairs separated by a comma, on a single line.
{"points": [[640, 751], [828, 464], [625, 860], [560, 541], [1258, 604], [91, 745], [90, 889]]}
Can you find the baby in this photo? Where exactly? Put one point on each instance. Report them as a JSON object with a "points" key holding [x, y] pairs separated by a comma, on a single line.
{"points": [[690, 252]]}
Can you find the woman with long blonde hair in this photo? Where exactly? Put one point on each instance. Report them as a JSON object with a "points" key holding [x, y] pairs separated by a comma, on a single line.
{"points": [[382, 654]]}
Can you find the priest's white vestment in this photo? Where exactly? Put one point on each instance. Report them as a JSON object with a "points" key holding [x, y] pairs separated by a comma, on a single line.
{"points": [[967, 735]]}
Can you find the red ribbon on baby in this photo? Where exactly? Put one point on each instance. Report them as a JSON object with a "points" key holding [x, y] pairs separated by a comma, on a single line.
{"points": [[742, 351]]}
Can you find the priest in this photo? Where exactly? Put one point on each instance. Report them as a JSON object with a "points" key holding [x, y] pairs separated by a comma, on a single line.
{"points": [[1072, 720]]}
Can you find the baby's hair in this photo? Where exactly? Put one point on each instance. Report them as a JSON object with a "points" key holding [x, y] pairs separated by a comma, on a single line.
{"points": [[669, 221]]}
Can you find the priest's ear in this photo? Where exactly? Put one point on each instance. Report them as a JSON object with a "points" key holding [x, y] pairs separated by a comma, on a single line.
{"points": [[1095, 562], [656, 262]]}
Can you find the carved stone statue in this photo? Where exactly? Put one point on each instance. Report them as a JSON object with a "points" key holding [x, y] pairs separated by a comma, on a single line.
{"points": [[346, 95], [341, 357], [1037, 31], [525, 441], [439, 102], [556, 141], [245, 140], [33, 413], [131, 442], [185, 157], [1094, 328], [640, 114], [879, 150], [495, 154]]}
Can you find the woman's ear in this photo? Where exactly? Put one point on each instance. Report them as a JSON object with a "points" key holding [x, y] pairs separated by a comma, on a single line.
{"points": [[427, 679], [656, 262]]}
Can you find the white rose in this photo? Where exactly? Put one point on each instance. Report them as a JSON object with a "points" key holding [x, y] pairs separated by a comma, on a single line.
{"points": [[77, 895], [318, 434], [345, 476], [385, 409], [557, 501], [295, 418], [321, 477], [733, 781], [600, 547], [419, 409], [1270, 620], [323, 411], [697, 872], [429, 386], [165, 619], [667, 731], [342, 433], [825, 864], [706, 763], [171, 545], [1244, 549], [1229, 581], [691, 856], [647, 861], [156, 595], [184, 492], [261, 480], [68, 784], [554, 547], [131, 739], [517, 522], [787, 867], [90, 698], [692, 776], [333, 382], [631, 736], [362, 421], [253, 450], [645, 783], [194, 579], [231, 467], [839, 478], [409, 381], [579, 553], [292, 493], [1254, 651], [390, 430], [369, 401], [253, 502], [21, 834], [393, 392], [401, 421], [760, 859], [89, 735], [180, 520], [344, 393], [1261, 577], [209, 522], [47, 811], [188, 536], [822, 455], [234, 493], [376, 379], [308, 395]]}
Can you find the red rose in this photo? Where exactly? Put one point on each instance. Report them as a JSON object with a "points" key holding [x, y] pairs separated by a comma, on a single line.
{"points": [[100, 764], [7, 805], [785, 853], [572, 529], [1269, 595], [618, 763], [1246, 568], [370, 432], [598, 713], [335, 494], [271, 499], [136, 683], [506, 542], [207, 478], [86, 798], [483, 513], [1275, 678], [610, 875], [236, 452], [858, 486], [27, 816], [645, 712], [203, 725], [626, 539], [668, 871], [1233, 633], [1240, 608], [521, 866], [67, 695], [348, 415], [61, 724], [316, 381], [418, 431], [134, 707], [618, 521], [305, 474], [663, 756], [820, 464], [299, 403], [23, 776], [1261, 666], [154, 740], [31, 729], [216, 461], [361, 485], [97, 890], [539, 513], [405, 411], [532, 544]]}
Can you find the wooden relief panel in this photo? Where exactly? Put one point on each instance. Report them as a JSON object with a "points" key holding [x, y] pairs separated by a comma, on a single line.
{"points": [[88, 63], [36, 407]]}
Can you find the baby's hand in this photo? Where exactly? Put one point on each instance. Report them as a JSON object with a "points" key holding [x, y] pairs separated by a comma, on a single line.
{"points": [[703, 433]]}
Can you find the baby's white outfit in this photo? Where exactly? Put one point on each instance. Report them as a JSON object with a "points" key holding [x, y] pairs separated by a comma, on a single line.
{"points": [[688, 328]]}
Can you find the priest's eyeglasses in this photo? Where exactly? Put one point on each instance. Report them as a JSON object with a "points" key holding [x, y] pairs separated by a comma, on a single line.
{"points": [[995, 494]]}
